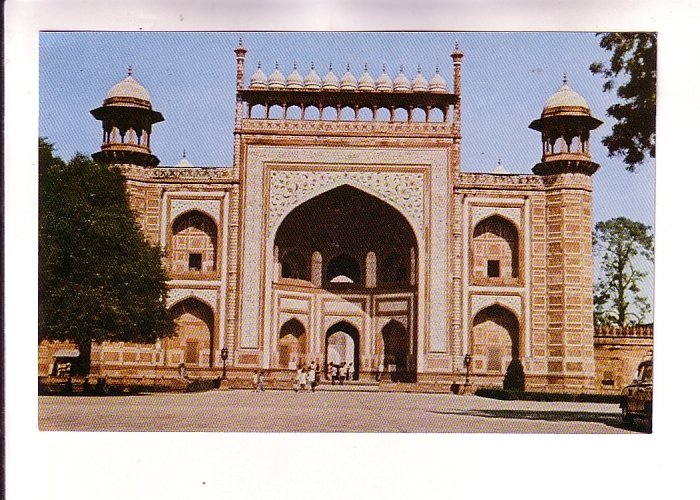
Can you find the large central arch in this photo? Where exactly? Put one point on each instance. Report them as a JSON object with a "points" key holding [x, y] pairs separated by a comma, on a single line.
{"points": [[342, 253]]}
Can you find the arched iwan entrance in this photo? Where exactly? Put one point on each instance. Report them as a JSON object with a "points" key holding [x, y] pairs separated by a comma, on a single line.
{"points": [[495, 341], [292, 345], [343, 346], [343, 258], [194, 338]]}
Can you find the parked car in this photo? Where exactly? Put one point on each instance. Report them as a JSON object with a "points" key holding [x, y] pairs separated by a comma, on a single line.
{"points": [[636, 401]]}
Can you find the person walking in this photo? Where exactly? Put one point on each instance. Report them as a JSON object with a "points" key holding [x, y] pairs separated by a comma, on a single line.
{"points": [[256, 380], [312, 378], [351, 372], [334, 373]]}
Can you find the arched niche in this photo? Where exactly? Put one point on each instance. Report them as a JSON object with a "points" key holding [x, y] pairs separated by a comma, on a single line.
{"points": [[193, 341], [495, 340], [343, 268], [495, 250], [395, 349], [393, 269], [292, 344], [295, 265], [193, 245]]}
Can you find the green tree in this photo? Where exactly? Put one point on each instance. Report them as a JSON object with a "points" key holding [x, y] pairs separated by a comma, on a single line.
{"points": [[99, 279], [617, 299], [634, 133]]}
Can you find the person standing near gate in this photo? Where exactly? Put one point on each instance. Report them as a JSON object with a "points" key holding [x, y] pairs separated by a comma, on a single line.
{"points": [[351, 372]]}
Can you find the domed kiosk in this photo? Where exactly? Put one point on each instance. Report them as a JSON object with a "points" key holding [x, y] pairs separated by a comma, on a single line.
{"points": [[127, 117]]}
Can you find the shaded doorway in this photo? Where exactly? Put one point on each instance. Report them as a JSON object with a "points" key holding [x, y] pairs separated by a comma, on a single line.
{"points": [[343, 346], [395, 351]]}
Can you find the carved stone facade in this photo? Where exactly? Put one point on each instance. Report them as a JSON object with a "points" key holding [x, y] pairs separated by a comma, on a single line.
{"points": [[361, 241]]}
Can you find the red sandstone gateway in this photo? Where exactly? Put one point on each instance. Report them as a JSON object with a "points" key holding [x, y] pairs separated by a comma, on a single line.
{"points": [[637, 397]]}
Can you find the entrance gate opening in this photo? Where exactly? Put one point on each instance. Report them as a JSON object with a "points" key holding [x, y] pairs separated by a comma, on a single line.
{"points": [[342, 346]]}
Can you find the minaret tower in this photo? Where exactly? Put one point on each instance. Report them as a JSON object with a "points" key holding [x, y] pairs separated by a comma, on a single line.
{"points": [[127, 118], [566, 166]]}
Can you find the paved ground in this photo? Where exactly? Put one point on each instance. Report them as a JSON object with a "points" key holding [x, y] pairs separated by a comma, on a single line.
{"points": [[286, 411]]}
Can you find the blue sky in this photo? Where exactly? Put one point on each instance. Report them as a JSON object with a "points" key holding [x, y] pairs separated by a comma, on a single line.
{"points": [[506, 78]]}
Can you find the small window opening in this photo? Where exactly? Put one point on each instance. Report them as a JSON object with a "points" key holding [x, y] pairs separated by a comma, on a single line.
{"points": [[493, 268], [195, 262]]}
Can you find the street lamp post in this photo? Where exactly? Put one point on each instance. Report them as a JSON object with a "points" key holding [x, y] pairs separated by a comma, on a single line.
{"points": [[467, 362], [224, 355]]}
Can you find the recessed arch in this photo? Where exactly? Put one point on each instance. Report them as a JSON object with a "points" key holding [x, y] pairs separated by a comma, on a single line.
{"points": [[295, 265], [292, 344], [395, 347], [393, 268], [193, 243], [343, 268], [495, 339], [193, 341], [495, 249]]}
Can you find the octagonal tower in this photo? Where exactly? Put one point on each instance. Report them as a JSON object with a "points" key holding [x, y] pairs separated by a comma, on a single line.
{"points": [[127, 118]]}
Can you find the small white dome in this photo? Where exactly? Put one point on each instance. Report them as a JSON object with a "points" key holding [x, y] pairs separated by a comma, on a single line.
{"points": [[312, 80], [366, 82], [276, 80], [259, 79], [330, 81], [384, 82], [294, 80], [401, 83], [419, 83], [129, 87], [499, 169], [348, 81], [184, 162], [565, 97], [437, 82]]}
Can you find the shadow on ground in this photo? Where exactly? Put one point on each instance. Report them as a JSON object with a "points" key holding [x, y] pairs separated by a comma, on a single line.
{"points": [[609, 419]]}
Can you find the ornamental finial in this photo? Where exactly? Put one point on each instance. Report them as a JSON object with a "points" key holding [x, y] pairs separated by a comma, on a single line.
{"points": [[130, 70], [566, 80]]}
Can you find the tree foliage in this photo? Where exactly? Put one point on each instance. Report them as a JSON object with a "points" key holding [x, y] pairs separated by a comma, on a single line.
{"points": [[617, 299], [99, 279], [634, 57]]}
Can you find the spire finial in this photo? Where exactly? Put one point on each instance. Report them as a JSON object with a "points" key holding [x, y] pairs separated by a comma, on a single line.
{"points": [[456, 45], [240, 42], [130, 70], [184, 154], [259, 65], [365, 67], [499, 162], [383, 67], [419, 69], [565, 80], [312, 65], [347, 68], [437, 70], [401, 68], [277, 65], [294, 66], [330, 67]]}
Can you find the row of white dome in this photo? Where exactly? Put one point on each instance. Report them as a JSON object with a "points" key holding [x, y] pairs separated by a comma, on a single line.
{"points": [[383, 83]]}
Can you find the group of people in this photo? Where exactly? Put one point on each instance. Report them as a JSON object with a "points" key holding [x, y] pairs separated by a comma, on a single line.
{"points": [[306, 379], [340, 372]]}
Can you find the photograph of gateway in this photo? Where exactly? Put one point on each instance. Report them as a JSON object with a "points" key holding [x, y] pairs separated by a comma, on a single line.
{"points": [[346, 232]]}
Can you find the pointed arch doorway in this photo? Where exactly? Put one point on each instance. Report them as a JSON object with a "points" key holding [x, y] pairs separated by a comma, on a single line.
{"points": [[343, 346]]}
